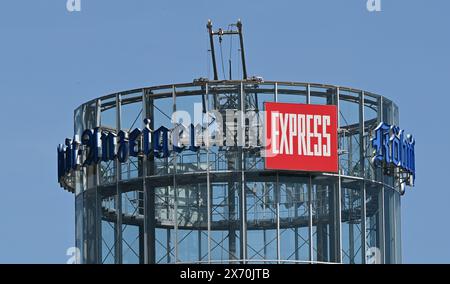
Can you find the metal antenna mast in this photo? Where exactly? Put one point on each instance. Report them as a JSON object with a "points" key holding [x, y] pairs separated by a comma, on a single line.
{"points": [[221, 33]]}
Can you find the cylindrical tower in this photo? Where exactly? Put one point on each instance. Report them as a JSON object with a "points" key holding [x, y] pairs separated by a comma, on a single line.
{"points": [[214, 201]]}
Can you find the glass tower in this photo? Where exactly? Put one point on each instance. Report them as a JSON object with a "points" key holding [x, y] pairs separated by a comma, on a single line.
{"points": [[219, 204]]}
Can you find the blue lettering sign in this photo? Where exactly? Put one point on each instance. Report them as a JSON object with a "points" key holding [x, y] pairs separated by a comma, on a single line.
{"points": [[103, 145], [392, 148]]}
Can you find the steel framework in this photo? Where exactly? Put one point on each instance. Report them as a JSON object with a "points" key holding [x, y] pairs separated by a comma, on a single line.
{"points": [[219, 204]]}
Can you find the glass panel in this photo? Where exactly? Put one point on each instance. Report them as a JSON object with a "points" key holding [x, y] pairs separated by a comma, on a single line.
{"points": [[190, 111], [192, 221], [164, 245], [370, 123], [78, 121], [389, 223], [107, 172], [131, 117], [80, 181], [226, 99], [85, 118], [396, 115], [108, 113], [351, 215], [254, 122], [392, 226], [79, 237], [108, 122], [261, 220], [131, 112], [388, 112], [373, 224], [162, 115], [108, 245], [189, 246], [324, 218], [262, 245], [130, 244], [398, 231], [163, 109], [349, 134], [91, 227], [90, 177], [388, 117], [294, 218], [109, 219], [370, 111], [349, 108], [323, 96], [132, 224], [165, 222], [265, 94], [225, 234], [292, 94]]}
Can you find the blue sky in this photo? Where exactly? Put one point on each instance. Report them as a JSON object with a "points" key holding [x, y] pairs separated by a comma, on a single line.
{"points": [[51, 61]]}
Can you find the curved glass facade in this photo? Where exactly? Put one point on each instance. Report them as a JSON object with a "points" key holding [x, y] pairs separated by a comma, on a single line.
{"points": [[219, 205]]}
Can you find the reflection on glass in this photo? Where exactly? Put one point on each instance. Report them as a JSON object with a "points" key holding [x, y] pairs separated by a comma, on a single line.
{"points": [[131, 117], [192, 218], [349, 134], [132, 223], [294, 219], [79, 239], [324, 230], [392, 226], [109, 219], [225, 234], [261, 220], [373, 224], [351, 221]]}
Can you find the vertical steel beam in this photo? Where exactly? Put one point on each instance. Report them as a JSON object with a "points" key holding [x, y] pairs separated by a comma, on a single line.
{"points": [[338, 195], [265, 244], [381, 206], [168, 237], [382, 228], [149, 190], [393, 216], [400, 257], [98, 195], [241, 39], [144, 188], [310, 220], [213, 54], [199, 231], [362, 151], [175, 188], [277, 192], [351, 241], [118, 225], [308, 96], [276, 91], [242, 201], [296, 227], [208, 181]]}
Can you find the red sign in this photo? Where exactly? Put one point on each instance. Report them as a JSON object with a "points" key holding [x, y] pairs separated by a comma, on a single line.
{"points": [[301, 137]]}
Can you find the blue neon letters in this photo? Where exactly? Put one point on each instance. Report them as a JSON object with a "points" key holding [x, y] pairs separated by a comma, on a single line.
{"points": [[393, 148], [98, 145]]}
